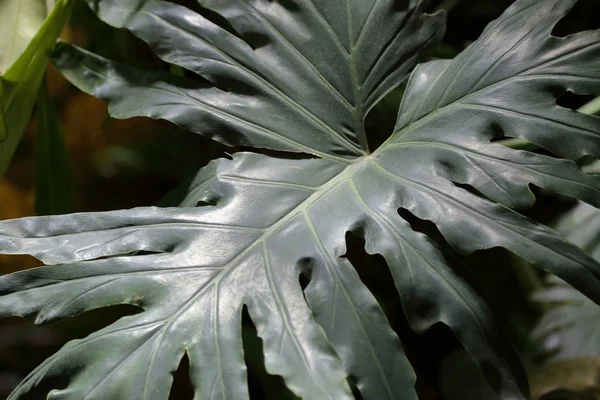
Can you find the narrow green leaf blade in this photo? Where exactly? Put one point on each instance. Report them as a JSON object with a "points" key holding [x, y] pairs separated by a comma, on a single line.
{"points": [[54, 193]]}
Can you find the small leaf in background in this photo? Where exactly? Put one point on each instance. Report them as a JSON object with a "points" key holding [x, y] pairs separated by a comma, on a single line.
{"points": [[20, 21], [25, 41], [54, 181], [571, 328], [568, 334]]}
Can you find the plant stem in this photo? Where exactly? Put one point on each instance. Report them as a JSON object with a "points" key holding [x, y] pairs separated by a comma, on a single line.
{"points": [[518, 144], [593, 168], [591, 108]]}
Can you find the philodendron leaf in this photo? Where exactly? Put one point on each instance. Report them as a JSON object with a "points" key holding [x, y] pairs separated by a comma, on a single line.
{"points": [[26, 39], [300, 76], [311, 68]]}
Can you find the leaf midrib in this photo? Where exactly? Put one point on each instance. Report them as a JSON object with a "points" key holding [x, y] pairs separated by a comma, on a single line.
{"points": [[402, 241], [359, 124], [480, 42], [260, 241], [301, 209], [469, 152], [339, 282], [523, 75], [302, 109], [503, 224]]}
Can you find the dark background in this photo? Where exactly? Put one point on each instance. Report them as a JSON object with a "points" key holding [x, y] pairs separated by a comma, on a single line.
{"points": [[137, 162]]}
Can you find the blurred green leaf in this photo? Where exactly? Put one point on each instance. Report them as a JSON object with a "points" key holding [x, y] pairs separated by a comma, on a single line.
{"points": [[571, 329], [54, 182], [25, 42]]}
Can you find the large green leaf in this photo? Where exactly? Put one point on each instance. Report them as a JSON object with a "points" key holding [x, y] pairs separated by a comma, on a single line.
{"points": [[26, 39], [300, 76]]}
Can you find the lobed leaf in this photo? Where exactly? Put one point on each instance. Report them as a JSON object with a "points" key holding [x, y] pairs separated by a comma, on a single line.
{"points": [[297, 76], [268, 84]]}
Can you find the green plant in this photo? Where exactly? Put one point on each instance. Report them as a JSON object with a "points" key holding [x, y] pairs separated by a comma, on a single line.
{"points": [[571, 327], [28, 31], [300, 76]]}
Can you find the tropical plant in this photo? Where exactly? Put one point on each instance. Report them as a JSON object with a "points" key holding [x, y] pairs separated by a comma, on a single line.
{"points": [[299, 77]]}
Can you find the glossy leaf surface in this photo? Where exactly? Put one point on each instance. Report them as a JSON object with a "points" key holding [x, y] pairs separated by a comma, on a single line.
{"points": [[287, 76]]}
